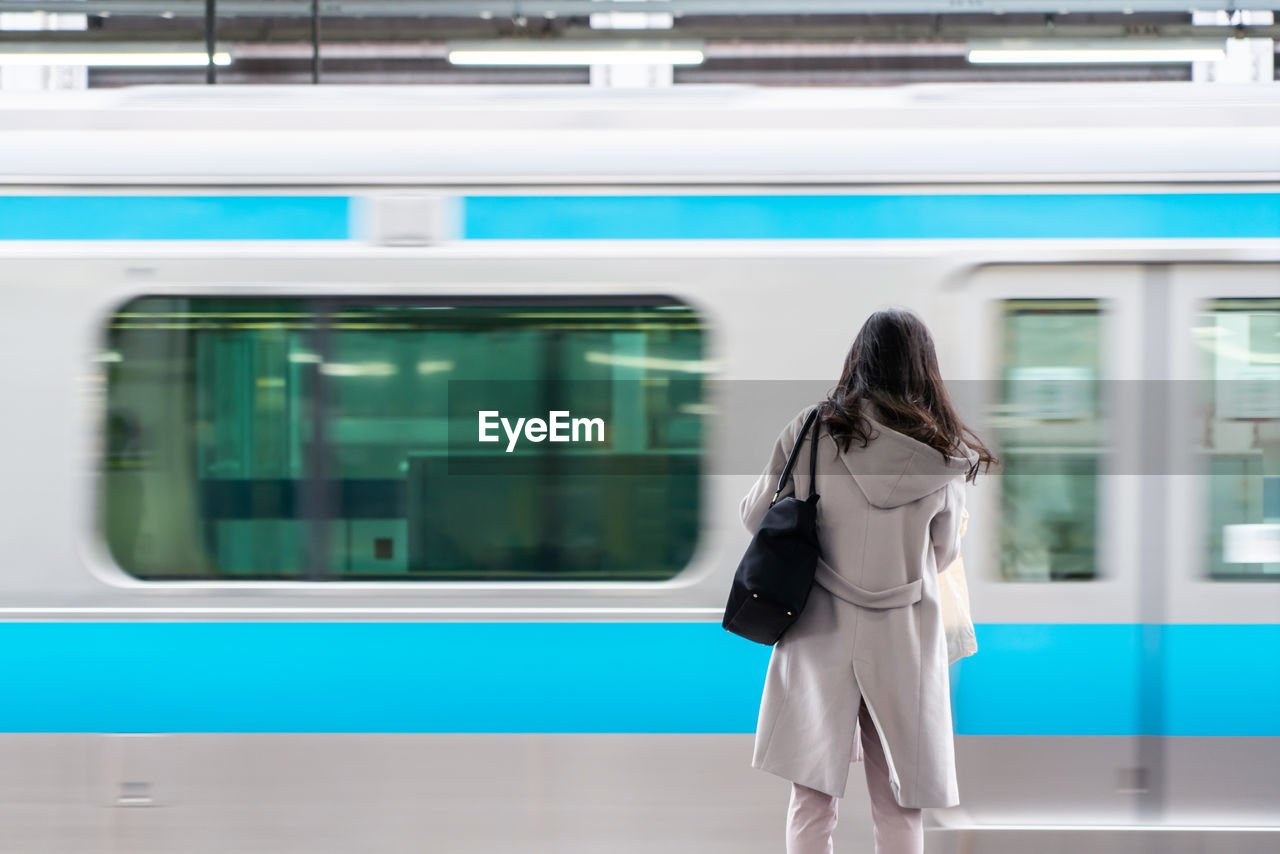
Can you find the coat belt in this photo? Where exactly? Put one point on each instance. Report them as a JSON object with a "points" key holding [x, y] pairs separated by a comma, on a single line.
{"points": [[842, 588]]}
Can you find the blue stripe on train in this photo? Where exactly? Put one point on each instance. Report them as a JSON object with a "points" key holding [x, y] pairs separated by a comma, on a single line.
{"points": [[750, 217], [584, 677], [274, 217], [872, 216]]}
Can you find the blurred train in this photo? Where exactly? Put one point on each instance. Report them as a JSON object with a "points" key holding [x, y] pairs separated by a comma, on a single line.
{"points": [[263, 591]]}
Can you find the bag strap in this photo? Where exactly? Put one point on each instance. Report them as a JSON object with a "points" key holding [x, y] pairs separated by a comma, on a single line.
{"points": [[811, 420], [813, 456]]}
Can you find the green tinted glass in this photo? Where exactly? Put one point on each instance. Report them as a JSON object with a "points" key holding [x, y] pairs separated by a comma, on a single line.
{"points": [[335, 439], [1239, 435], [1050, 431]]}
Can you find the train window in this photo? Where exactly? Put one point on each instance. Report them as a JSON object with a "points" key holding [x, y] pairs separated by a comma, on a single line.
{"points": [[1239, 435], [340, 439], [1049, 424]]}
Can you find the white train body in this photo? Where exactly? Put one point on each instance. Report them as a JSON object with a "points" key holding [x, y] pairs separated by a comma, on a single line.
{"points": [[1133, 698]]}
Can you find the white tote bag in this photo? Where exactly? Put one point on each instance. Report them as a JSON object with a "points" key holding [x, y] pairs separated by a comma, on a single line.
{"points": [[953, 593]]}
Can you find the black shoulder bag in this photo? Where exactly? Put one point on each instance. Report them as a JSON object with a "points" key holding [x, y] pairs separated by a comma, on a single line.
{"points": [[772, 582]]}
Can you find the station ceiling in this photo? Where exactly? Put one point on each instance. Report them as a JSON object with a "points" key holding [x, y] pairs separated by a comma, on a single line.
{"points": [[763, 42]]}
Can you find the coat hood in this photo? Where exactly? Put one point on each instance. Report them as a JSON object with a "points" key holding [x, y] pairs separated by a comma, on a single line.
{"points": [[894, 469]]}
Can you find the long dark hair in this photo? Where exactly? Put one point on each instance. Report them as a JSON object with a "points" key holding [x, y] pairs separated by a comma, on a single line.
{"points": [[893, 366]]}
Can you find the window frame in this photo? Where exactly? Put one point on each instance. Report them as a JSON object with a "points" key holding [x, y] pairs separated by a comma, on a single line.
{"points": [[1202, 306], [971, 352], [324, 302]]}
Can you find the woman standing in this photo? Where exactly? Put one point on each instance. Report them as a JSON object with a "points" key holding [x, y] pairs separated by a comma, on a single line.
{"points": [[868, 652]]}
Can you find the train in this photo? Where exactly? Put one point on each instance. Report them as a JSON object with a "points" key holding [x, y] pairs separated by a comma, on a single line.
{"points": [[265, 589]]}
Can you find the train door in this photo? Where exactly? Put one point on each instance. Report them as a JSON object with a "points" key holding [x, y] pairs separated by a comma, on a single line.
{"points": [[1049, 713], [1221, 639]]}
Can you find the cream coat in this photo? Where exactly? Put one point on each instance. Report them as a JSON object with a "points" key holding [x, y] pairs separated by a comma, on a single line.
{"points": [[888, 518]]}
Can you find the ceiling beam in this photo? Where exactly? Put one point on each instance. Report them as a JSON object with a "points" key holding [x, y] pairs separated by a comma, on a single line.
{"points": [[851, 35], [562, 8]]}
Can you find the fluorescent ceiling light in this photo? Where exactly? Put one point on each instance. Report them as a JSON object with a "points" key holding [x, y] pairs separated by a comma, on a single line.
{"points": [[101, 59], [560, 53], [47, 53], [1065, 52]]}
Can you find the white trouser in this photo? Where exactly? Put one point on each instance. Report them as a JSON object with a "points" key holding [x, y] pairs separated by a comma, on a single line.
{"points": [[811, 816]]}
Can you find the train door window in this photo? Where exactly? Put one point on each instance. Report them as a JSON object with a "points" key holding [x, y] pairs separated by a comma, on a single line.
{"points": [[1238, 344], [1050, 433], [336, 439]]}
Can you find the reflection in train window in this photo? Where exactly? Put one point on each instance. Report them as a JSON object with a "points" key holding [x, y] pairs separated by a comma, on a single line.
{"points": [[337, 439], [1238, 434], [1049, 424]]}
